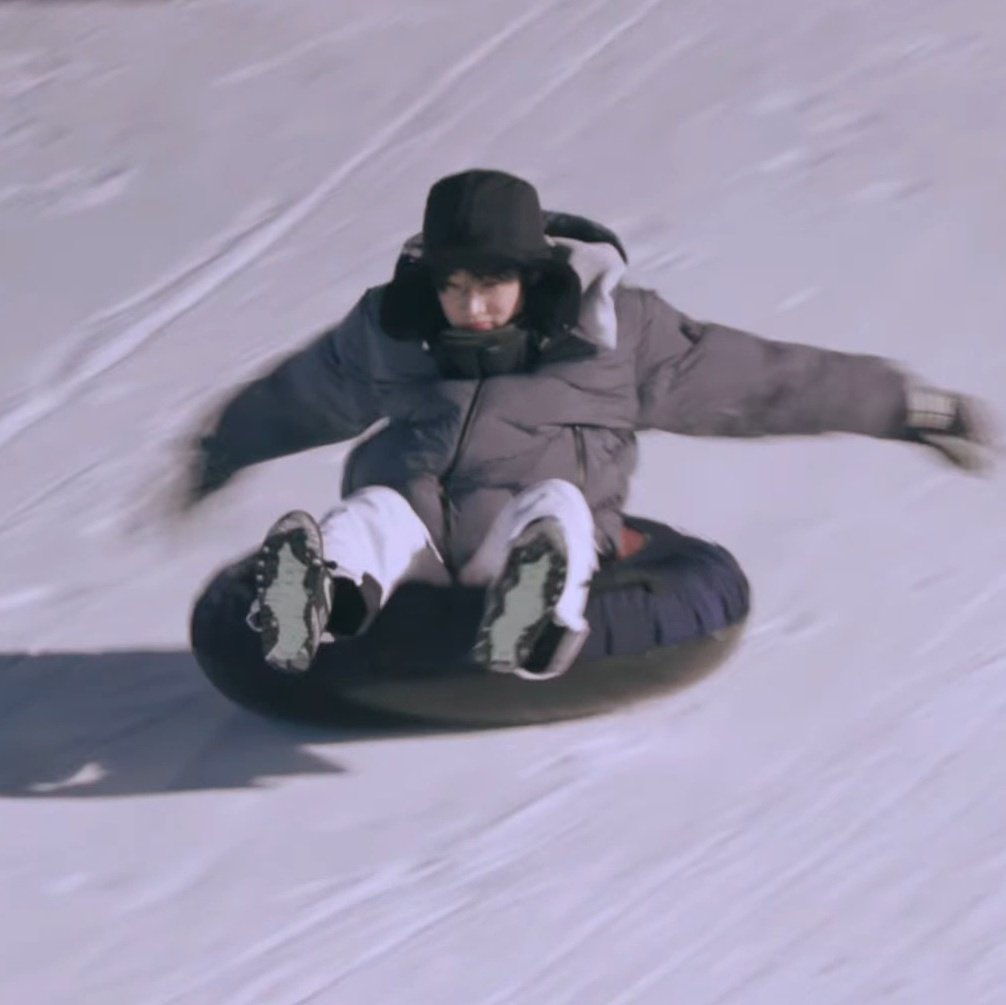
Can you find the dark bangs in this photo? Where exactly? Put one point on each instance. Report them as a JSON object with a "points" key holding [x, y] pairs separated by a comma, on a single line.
{"points": [[488, 269]]}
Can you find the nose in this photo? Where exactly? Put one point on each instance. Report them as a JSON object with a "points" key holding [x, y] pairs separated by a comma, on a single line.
{"points": [[475, 305]]}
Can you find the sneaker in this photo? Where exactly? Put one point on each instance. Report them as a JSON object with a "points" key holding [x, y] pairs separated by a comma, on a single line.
{"points": [[293, 593], [517, 633]]}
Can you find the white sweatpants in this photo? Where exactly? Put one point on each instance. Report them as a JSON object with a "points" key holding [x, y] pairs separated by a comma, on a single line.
{"points": [[375, 531]]}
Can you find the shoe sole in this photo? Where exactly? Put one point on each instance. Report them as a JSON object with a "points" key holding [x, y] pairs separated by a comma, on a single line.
{"points": [[291, 590], [521, 601]]}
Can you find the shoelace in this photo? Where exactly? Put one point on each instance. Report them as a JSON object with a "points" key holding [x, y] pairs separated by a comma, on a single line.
{"points": [[252, 617]]}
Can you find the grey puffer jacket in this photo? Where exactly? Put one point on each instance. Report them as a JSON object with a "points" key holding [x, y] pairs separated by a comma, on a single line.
{"points": [[459, 449]]}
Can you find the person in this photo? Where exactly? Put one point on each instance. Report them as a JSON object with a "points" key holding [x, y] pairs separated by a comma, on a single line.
{"points": [[501, 376]]}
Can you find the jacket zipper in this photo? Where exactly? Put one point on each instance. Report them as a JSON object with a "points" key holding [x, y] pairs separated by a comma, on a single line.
{"points": [[581, 458], [445, 502]]}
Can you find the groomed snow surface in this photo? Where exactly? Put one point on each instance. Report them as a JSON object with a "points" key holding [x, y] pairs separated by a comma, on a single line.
{"points": [[188, 190]]}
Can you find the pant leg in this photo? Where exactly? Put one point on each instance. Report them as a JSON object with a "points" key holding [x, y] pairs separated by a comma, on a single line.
{"points": [[565, 503], [375, 539]]}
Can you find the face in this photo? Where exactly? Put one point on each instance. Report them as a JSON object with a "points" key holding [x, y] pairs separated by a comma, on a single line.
{"points": [[480, 304]]}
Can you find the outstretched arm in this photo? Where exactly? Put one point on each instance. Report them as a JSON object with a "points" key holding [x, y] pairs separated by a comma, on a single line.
{"points": [[710, 380], [317, 395]]}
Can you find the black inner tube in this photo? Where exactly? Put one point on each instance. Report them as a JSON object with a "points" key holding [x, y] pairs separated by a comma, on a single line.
{"points": [[659, 618]]}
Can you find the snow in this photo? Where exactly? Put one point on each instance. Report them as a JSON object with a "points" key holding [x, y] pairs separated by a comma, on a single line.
{"points": [[188, 190]]}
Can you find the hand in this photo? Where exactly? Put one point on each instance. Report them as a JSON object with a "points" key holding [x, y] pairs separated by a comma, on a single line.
{"points": [[205, 471], [961, 428]]}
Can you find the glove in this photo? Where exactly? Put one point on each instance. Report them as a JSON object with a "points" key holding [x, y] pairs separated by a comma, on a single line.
{"points": [[207, 471], [961, 428]]}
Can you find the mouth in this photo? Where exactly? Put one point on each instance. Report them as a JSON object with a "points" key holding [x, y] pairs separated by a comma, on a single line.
{"points": [[480, 326]]}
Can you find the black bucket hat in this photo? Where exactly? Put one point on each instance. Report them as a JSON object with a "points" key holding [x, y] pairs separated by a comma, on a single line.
{"points": [[484, 219]]}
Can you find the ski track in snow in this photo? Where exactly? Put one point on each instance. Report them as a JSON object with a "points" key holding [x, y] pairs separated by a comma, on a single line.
{"points": [[347, 32], [581, 62], [399, 880], [54, 489], [976, 605], [69, 191]]}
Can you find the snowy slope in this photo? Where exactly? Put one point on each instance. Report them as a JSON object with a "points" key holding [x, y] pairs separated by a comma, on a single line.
{"points": [[189, 189]]}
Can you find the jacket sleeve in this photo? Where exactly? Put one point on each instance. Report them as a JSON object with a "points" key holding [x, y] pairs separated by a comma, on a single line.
{"points": [[706, 379], [317, 395]]}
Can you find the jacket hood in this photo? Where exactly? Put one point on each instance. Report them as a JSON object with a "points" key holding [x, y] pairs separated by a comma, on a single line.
{"points": [[588, 263], [599, 268]]}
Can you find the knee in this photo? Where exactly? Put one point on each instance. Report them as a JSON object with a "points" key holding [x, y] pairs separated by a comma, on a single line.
{"points": [[561, 491], [380, 498], [377, 505], [554, 497]]}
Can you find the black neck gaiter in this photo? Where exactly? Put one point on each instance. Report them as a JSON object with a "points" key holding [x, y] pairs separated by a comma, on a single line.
{"points": [[462, 354]]}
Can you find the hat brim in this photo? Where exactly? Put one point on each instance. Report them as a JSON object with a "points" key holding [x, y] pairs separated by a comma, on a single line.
{"points": [[489, 262]]}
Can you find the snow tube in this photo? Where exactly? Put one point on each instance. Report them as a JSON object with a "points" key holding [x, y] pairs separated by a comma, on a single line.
{"points": [[666, 612]]}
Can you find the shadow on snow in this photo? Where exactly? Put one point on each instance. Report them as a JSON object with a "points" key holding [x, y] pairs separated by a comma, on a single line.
{"points": [[139, 722]]}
